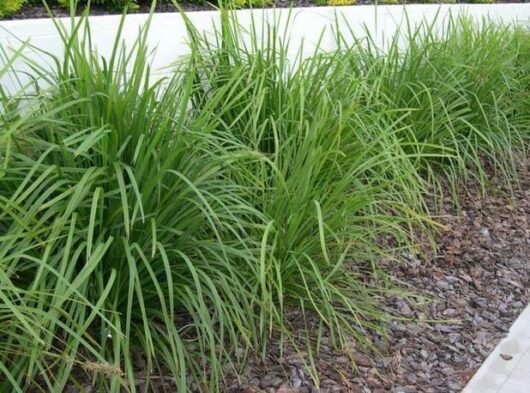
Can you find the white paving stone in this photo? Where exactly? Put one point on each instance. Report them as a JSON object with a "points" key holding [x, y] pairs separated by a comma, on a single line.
{"points": [[507, 368]]}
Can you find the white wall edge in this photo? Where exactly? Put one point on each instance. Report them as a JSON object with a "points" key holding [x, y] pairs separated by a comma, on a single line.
{"points": [[168, 31]]}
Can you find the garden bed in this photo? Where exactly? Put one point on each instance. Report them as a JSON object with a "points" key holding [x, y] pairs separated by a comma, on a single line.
{"points": [[255, 218], [475, 288]]}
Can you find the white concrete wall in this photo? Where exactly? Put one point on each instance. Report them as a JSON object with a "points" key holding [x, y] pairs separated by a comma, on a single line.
{"points": [[307, 25]]}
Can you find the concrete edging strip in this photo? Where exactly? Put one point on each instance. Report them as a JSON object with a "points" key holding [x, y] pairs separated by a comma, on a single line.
{"points": [[507, 368]]}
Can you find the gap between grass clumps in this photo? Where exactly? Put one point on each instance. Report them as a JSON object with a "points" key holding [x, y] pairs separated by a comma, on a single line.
{"points": [[159, 230]]}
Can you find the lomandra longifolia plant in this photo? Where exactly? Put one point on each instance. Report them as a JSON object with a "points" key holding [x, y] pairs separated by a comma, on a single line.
{"points": [[156, 232]]}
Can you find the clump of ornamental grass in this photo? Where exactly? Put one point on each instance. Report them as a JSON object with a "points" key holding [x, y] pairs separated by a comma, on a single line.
{"points": [[155, 231], [124, 245], [318, 181], [152, 229], [459, 94]]}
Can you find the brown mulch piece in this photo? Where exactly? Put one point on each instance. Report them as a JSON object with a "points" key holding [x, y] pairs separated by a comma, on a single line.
{"points": [[475, 288]]}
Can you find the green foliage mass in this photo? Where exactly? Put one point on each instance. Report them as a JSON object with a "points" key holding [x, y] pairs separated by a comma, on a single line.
{"points": [[162, 230], [8, 7], [116, 5]]}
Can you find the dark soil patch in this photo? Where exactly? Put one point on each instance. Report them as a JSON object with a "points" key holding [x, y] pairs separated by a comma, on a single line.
{"points": [[477, 285]]}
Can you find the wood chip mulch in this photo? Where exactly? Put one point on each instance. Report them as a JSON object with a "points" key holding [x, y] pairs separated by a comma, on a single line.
{"points": [[476, 287]]}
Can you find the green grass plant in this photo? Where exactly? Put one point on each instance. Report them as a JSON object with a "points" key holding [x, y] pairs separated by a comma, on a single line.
{"points": [[464, 89], [8, 7], [155, 232]]}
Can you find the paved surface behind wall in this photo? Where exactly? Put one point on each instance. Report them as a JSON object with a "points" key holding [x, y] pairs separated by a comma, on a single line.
{"points": [[507, 369]]}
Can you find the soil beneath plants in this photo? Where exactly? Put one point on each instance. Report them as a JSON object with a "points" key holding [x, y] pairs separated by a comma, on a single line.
{"points": [[29, 11], [477, 285]]}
